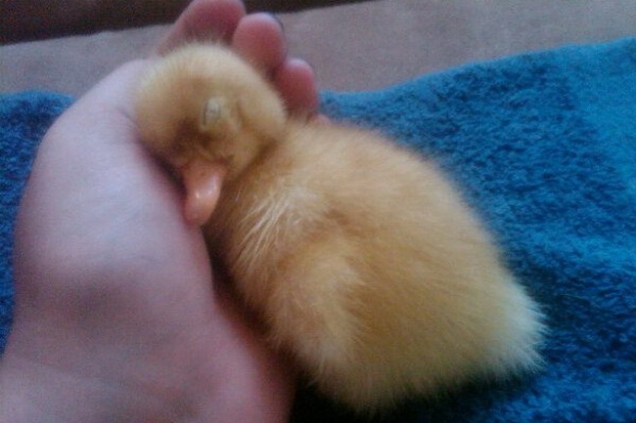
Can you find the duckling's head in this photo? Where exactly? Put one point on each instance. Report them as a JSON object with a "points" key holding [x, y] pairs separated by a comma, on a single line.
{"points": [[204, 102]]}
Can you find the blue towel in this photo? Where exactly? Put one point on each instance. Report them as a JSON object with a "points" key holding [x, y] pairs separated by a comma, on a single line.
{"points": [[24, 118], [543, 145]]}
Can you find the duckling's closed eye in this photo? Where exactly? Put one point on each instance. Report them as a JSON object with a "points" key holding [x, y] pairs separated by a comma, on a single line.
{"points": [[219, 117], [212, 111]]}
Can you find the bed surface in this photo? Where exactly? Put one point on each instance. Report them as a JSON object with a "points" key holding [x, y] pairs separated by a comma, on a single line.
{"points": [[541, 144], [357, 46]]}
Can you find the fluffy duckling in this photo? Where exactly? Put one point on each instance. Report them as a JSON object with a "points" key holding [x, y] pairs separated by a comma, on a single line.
{"points": [[361, 260]]}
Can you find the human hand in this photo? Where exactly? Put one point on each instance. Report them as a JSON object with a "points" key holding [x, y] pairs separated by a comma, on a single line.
{"points": [[118, 316]]}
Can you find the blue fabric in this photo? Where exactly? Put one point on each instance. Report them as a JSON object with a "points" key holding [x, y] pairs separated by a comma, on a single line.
{"points": [[24, 118], [544, 146]]}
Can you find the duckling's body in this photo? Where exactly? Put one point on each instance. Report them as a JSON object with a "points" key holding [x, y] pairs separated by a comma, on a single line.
{"points": [[360, 259]]}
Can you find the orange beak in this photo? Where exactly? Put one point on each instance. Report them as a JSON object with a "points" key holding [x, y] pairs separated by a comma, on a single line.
{"points": [[202, 180]]}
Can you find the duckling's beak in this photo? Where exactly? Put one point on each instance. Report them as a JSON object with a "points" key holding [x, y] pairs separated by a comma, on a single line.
{"points": [[202, 180]]}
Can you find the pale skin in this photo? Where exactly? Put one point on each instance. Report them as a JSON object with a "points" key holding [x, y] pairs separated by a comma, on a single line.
{"points": [[118, 316]]}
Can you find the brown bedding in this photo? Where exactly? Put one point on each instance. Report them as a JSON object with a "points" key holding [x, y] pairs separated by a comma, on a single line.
{"points": [[357, 46]]}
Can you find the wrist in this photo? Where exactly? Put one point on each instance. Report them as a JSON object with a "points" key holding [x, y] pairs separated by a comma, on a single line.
{"points": [[32, 392]]}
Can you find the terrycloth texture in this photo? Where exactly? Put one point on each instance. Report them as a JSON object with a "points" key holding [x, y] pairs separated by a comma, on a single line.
{"points": [[544, 146], [24, 118]]}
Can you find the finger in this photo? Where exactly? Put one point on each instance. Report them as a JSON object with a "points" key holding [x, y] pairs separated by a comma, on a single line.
{"points": [[204, 20], [295, 80], [259, 39]]}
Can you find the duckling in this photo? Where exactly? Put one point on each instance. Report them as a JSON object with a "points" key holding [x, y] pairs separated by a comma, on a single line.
{"points": [[359, 257]]}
